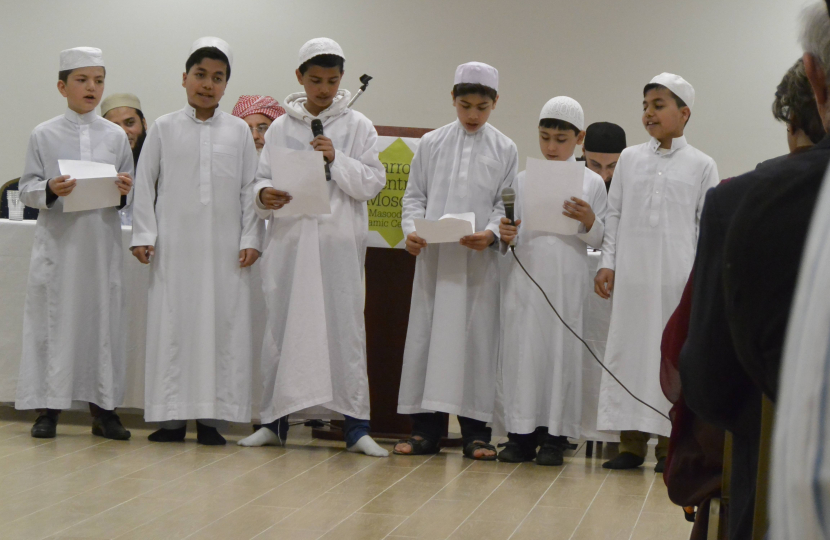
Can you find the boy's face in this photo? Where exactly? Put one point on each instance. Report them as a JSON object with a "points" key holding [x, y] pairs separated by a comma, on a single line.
{"points": [[558, 144], [205, 83], [473, 110], [83, 88], [661, 117], [321, 85], [132, 124], [601, 163]]}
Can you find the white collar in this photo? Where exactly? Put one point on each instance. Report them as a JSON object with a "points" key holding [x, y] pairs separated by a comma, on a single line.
{"points": [[80, 119], [191, 112], [464, 130], [676, 144]]}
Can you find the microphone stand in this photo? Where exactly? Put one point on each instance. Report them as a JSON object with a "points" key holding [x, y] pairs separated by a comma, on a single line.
{"points": [[365, 80]]}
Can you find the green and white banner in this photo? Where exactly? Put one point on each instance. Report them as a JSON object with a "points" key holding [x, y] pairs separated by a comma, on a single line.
{"points": [[385, 210]]}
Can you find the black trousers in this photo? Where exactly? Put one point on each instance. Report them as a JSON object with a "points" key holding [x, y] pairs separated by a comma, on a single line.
{"points": [[430, 426]]}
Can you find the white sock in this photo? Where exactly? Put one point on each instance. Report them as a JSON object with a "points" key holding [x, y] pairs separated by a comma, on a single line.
{"points": [[367, 445], [262, 437]]}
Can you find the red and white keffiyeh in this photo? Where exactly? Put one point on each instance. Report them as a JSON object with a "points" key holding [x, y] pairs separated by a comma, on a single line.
{"points": [[248, 105]]}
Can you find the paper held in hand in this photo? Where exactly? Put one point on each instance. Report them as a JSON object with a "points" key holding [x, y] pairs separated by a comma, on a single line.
{"points": [[94, 187], [450, 228], [546, 187], [303, 175]]}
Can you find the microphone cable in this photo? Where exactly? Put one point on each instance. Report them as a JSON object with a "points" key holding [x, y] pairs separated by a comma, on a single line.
{"points": [[513, 251]]}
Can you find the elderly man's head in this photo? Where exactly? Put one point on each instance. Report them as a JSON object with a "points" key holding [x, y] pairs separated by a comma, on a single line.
{"points": [[795, 106], [258, 112], [815, 41]]}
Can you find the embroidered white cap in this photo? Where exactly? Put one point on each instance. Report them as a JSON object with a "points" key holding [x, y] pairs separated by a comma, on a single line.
{"points": [[678, 85], [81, 57], [316, 47], [209, 41], [564, 108], [477, 73]]}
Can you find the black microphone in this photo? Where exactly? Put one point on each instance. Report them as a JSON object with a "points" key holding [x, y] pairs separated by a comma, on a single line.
{"points": [[317, 130], [508, 196]]}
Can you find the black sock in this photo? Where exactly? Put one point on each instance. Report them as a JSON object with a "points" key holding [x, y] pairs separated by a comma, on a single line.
{"points": [[208, 435], [168, 435]]}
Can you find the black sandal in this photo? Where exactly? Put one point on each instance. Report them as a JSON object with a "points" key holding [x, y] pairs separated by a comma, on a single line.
{"points": [[470, 449], [420, 447]]}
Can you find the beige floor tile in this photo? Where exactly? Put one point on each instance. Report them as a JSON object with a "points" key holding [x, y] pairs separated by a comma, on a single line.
{"points": [[242, 524], [325, 512], [119, 519], [280, 533], [480, 530], [178, 520], [436, 519], [471, 486], [660, 526], [41, 524], [507, 505], [612, 521], [403, 499], [550, 523], [182, 489], [364, 527], [372, 480], [658, 500], [29, 502], [176, 466], [572, 492]]}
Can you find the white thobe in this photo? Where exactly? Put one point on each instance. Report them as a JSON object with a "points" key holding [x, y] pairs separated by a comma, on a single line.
{"points": [[800, 492], [452, 341], [73, 342], [540, 360], [198, 357], [654, 207], [314, 349]]}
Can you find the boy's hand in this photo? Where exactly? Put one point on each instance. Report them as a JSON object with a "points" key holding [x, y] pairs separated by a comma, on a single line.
{"points": [[124, 183], [604, 283], [274, 198], [144, 253], [62, 185], [507, 231], [247, 257], [323, 144], [479, 241], [579, 210], [414, 244]]}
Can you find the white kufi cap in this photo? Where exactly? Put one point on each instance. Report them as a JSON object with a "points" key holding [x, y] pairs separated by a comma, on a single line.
{"points": [[81, 57], [220, 44], [678, 85], [477, 73], [566, 109], [120, 100], [316, 47]]}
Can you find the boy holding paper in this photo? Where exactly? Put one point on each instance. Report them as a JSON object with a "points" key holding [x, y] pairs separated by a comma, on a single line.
{"points": [[654, 208], [194, 222], [541, 362], [451, 350], [73, 345], [314, 351]]}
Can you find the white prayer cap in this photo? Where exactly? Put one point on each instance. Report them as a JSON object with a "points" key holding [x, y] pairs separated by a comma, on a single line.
{"points": [[678, 85], [317, 46], [220, 44], [477, 73], [566, 109], [119, 100], [81, 57]]}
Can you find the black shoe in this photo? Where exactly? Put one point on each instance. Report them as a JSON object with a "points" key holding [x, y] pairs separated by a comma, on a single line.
{"points": [[625, 460], [551, 454], [514, 452], [168, 435], [208, 435], [45, 427], [109, 426], [661, 464]]}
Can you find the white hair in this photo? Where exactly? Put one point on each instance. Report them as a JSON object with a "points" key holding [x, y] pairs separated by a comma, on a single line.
{"points": [[815, 34]]}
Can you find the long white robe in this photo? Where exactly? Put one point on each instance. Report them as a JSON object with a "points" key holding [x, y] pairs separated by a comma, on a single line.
{"points": [[73, 341], [452, 341], [654, 208], [540, 360], [314, 349], [198, 358], [800, 492]]}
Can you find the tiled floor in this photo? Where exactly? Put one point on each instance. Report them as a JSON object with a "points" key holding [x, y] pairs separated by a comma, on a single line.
{"points": [[79, 487]]}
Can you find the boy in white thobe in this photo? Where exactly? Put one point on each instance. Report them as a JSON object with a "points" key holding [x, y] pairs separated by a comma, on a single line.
{"points": [[540, 360], [73, 343], [452, 342], [314, 350], [194, 211], [654, 208]]}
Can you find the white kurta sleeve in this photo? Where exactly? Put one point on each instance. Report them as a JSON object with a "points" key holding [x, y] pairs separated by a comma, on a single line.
{"points": [[507, 181], [361, 177], [253, 229], [710, 180], [145, 228], [262, 180], [599, 204], [33, 182], [414, 202], [126, 165], [612, 219]]}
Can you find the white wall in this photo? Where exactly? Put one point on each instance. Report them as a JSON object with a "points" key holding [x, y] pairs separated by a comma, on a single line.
{"points": [[600, 52]]}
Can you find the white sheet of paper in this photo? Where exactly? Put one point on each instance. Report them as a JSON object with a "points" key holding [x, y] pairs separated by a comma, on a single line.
{"points": [[546, 187], [450, 228], [95, 185], [303, 176]]}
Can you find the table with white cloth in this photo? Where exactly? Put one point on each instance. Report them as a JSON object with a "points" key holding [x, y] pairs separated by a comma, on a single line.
{"points": [[16, 238]]}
